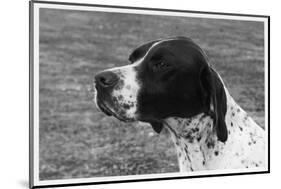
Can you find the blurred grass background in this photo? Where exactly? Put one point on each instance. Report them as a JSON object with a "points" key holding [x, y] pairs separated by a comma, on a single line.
{"points": [[77, 140]]}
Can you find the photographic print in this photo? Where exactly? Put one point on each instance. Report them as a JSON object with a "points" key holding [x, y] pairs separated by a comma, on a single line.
{"points": [[123, 94]]}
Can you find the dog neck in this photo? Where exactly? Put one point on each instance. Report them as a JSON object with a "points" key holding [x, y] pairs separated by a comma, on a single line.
{"points": [[196, 141]]}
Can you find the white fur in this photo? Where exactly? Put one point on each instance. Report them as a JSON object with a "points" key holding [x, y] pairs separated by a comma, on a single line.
{"points": [[244, 148], [128, 89]]}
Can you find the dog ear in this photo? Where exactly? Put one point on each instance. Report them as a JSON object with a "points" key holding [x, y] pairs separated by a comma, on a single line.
{"points": [[140, 51], [215, 100]]}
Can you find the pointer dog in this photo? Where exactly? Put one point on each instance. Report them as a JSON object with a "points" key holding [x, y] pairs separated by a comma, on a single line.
{"points": [[170, 84]]}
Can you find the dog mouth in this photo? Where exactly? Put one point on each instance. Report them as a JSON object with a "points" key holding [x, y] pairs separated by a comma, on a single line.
{"points": [[104, 108], [110, 107], [109, 111]]}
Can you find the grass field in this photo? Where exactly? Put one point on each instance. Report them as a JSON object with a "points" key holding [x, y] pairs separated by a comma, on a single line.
{"points": [[77, 140]]}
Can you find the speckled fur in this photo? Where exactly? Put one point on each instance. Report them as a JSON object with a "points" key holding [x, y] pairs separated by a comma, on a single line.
{"points": [[198, 148], [124, 94]]}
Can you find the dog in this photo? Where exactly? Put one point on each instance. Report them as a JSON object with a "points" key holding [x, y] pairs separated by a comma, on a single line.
{"points": [[170, 84]]}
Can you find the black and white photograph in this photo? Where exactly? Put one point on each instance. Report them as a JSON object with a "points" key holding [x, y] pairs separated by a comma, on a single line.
{"points": [[123, 94]]}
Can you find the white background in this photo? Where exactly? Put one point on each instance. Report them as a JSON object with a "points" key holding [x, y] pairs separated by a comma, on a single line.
{"points": [[14, 93]]}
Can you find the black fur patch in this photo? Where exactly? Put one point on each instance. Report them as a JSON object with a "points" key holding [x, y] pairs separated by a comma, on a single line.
{"points": [[210, 144], [173, 90]]}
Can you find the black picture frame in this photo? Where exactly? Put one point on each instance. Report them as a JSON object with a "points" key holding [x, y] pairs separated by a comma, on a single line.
{"points": [[34, 184]]}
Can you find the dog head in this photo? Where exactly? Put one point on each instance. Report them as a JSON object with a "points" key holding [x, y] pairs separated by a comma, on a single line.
{"points": [[166, 78]]}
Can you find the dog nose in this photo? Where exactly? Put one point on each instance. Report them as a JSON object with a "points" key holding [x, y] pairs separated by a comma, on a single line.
{"points": [[106, 79]]}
